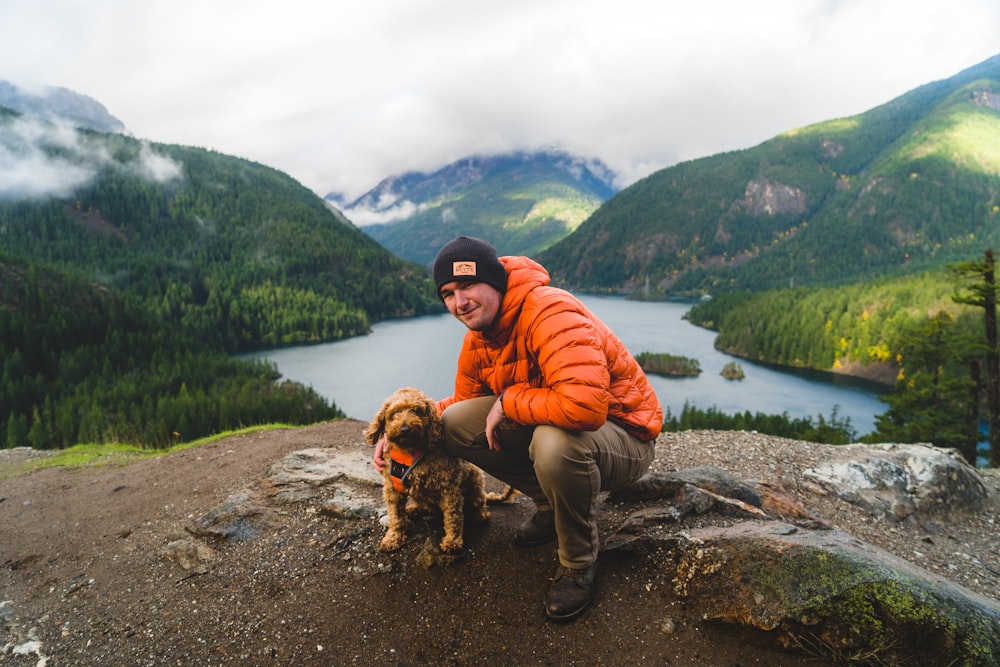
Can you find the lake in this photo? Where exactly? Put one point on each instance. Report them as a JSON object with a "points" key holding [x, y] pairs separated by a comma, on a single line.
{"points": [[358, 373]]}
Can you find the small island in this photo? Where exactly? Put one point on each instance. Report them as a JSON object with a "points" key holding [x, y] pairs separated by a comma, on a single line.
{"points": [[669, 365], [733, 371]]}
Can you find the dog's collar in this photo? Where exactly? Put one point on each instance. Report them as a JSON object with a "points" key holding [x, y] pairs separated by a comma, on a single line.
{"points": [[400, 464]]}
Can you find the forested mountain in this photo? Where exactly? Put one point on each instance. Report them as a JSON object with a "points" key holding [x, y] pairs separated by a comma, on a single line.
{"points": [[907, 186], [129, 271], [522, 202], [862, 327], [918, 333], [233, 252]]}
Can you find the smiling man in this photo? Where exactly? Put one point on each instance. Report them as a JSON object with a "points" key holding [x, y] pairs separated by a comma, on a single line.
{"points": [[548, 400]]}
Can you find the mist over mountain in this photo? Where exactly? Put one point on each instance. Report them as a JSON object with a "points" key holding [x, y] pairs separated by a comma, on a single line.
{"points": [[131, 271], [41, 158], [243, 254], [522, 202], [53, 103]]}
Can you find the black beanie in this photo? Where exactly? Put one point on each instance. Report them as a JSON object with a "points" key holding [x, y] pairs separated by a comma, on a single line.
{"points": [[469, 259]]}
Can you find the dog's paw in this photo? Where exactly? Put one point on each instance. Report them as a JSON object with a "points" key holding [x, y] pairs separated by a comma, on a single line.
{"points": [[393, 541], [451, 544], [431, 556]]}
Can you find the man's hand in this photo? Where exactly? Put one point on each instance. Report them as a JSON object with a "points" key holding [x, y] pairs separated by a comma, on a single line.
{"points": [[493, 421], [378, 460]]}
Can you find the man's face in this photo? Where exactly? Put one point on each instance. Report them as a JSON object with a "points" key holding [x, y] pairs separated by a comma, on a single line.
{"points": [[474, 304]]}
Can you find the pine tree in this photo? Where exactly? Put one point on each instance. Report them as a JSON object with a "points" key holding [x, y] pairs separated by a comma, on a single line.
{"points": [[928, 404], [981, 292]]}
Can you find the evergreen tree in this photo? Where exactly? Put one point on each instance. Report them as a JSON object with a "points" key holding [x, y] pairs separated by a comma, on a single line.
{"points": [[981, 292], [929, 401]]}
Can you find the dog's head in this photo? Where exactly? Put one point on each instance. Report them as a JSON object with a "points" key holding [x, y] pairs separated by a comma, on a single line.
{"points": [[409, 419]]}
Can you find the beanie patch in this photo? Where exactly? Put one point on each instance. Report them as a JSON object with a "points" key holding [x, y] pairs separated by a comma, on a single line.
{"points": [[466, 269]]}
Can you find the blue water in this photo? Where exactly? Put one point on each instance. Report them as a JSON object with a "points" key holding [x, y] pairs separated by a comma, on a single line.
{"points": [[358, 373]]}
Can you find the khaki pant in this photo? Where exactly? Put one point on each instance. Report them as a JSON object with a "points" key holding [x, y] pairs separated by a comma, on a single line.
{"points": [[558, 469]]}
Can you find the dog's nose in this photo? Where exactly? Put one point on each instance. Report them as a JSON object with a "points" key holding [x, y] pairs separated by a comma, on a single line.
{"points": [[404, 429]]}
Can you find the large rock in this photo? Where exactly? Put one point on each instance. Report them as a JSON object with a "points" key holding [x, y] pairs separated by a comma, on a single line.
{"points": [[294, 479], [902, 482], [823, 591], [832, 595]]}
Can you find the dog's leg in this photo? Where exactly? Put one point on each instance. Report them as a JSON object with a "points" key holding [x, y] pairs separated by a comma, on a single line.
{"points": [[395, 504], [454, 522], [474, 489]]}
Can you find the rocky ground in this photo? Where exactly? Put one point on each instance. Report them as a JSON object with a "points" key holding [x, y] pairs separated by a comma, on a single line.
{"points": [[86, 578]]}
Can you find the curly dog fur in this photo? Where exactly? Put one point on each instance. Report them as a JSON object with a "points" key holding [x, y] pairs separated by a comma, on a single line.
{"points": [[409, 419]]}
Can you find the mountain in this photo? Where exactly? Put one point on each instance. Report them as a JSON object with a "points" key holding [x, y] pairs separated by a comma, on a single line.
{"points": [[907, 186], [60, 104], [522, 202], [231, 251], [131, 271]]}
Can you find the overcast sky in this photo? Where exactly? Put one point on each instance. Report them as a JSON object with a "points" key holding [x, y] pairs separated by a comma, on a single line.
{"points": [[342, 93]]}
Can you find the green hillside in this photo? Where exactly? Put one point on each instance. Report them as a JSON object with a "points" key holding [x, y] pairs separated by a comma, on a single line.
{"points": [[130, 271], [82, 363], [905, 187], [908, 333], [229, 250], [522, 203]]}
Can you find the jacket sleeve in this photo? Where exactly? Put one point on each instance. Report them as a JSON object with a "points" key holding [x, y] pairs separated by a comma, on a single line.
{"points": [[573, 392]]}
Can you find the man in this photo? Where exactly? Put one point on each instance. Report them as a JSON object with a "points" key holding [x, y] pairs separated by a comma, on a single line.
{"points": [[548, 400]]}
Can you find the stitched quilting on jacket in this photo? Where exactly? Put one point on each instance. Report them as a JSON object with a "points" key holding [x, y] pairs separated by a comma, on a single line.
{"points": [[554, 362]]}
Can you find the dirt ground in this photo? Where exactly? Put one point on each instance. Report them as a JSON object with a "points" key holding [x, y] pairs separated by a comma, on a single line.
{"points": [[83, 581]]}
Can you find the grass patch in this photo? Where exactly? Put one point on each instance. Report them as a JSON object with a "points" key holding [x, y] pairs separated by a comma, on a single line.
{"points": [[90, 455]]}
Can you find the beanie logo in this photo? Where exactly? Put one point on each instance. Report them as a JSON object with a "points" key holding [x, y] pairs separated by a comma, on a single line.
{"points": [[463, 269]]}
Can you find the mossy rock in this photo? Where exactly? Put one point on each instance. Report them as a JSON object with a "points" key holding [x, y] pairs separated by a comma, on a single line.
{"points": [[828, 594]]}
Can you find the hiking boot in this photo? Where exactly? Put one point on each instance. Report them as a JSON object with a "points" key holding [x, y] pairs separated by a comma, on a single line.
{"points": [[570, 594], [539, 529]]}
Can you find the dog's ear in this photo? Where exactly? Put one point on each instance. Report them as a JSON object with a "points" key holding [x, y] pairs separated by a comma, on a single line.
{"points": [[377, 428], [436, 429]]}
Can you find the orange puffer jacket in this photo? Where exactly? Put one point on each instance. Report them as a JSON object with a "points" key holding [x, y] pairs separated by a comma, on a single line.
{"points": [[554, 362]]}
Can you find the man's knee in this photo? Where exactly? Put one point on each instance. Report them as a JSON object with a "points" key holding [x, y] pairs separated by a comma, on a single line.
{"points": [[462, 422], [552, 448]]}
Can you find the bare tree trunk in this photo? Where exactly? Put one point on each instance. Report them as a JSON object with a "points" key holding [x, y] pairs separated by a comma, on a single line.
{"points": [[970, 449], [992, 358]]}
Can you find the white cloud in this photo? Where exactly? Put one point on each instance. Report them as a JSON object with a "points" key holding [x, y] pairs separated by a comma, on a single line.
{"points": [[41, 159], [342, 95], [155, 167], [363, 216]]}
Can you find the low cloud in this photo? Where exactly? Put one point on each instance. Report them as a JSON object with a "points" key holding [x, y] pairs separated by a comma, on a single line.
{"points": [[362, 216], [40, 159]]}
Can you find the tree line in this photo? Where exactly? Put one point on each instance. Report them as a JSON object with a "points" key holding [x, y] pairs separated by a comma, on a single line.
{"points": [[932, 337], [82, 363]]}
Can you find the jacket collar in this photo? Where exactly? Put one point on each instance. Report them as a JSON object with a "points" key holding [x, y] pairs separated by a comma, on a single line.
{"points": [[523, 275]]}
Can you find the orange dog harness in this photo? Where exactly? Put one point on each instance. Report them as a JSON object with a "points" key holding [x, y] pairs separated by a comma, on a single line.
{"points": [[400, 465]]}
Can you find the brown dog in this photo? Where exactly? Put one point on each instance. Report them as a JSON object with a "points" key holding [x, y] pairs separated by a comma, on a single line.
{"points": [[419, 470]]}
